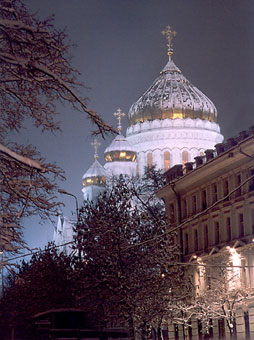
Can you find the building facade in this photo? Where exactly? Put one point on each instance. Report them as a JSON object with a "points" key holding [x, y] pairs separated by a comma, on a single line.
{"points": [[211, 203]]}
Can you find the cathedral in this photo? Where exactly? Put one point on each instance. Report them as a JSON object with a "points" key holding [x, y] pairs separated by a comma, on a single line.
{"points": [[171, 123]]}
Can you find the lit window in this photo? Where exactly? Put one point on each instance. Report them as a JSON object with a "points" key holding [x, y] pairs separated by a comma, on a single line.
{"points": [[166, 160], [177, 115]]}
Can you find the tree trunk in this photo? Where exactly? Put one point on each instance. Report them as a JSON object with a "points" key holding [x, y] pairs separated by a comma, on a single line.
{"points": [[12, 333], [131, 329]]}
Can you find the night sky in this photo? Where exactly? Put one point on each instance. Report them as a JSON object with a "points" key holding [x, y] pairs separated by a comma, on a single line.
{"points": [[119, 51]]}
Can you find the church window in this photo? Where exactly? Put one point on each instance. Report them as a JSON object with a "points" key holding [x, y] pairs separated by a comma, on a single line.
{"points": [[185, 157], [137, 170], [149, 160], [166, 160]]}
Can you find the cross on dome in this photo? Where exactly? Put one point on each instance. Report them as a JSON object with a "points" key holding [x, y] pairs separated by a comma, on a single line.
{"points": [[169, 33], [96, 144], [119, 114]]}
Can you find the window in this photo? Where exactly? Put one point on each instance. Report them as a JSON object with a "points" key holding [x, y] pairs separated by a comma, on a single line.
{"points": [[228, 228], [247, 324], [185, 157], [194, 204], [186, 244], [241, 225], [172, 213], [184, 208], [251, 182], [243, 273], [252, 221], [195, 240], [149, 160], [237, 183], [205, 237], [216, 232], [166, 160], [214, 193], [225, 188], [221, 328], [204, 200]]}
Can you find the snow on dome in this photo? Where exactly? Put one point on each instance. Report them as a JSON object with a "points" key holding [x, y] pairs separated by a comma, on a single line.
{"points": [[120, 150], [172, 96], [95, 175]]}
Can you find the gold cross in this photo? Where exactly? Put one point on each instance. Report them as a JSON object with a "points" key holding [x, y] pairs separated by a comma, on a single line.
{"points": [[169, 33], [96, 144], [119, 116]]}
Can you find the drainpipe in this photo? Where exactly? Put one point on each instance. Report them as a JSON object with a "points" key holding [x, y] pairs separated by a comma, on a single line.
{"points": [[179, 219]]}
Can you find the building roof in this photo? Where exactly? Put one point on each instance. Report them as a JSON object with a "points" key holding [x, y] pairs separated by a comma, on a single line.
{"points": [[172, 96]]}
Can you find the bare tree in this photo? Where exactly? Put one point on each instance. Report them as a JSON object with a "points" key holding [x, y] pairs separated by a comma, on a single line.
{"points": [[223, 292], [35, 74]]}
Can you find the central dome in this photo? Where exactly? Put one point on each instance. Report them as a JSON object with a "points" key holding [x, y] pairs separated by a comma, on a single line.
{"points": [[172, 96]]}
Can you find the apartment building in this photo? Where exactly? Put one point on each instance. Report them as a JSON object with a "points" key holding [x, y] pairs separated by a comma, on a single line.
{"points": [[211, 201]]}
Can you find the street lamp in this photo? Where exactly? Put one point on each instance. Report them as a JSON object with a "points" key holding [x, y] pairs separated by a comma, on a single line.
{"points": [[62, 191]]}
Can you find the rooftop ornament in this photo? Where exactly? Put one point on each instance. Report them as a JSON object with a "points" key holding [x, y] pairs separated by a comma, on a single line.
{"points": [[96, 144], [169, 33], [119, 114]]}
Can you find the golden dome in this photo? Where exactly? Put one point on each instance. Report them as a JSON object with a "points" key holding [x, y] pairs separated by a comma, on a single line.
{"points": [[120, 151], [172, 96]]}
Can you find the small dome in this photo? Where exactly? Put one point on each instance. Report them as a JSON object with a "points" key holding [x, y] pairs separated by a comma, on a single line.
{"points": [[120, 150], [172, 96], [95, 175]]}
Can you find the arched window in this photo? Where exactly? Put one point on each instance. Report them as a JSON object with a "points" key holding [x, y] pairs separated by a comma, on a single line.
{"points": [[166, 160], [137, 170], [149, 160], [185, 157]]}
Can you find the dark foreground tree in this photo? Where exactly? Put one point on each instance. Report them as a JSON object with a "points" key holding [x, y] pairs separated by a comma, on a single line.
{"points": [[41, 284], [35, 74], [125, 270]]}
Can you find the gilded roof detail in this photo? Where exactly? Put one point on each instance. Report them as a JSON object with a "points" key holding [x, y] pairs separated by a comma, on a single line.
{"points": [[172, 96]]}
